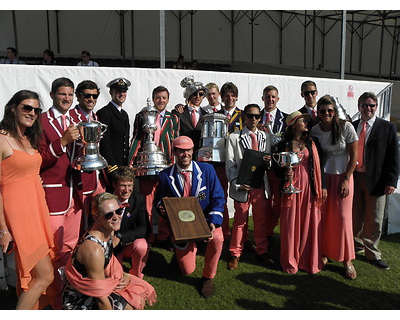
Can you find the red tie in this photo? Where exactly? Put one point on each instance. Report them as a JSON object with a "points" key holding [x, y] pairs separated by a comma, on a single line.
{"points": [[124, 205], [187, 184], [228, 116], [254, 143], [313, 113], [64, 122], [267, 117], [158, 131], [214, 109], [194, 119], [361, 145]]}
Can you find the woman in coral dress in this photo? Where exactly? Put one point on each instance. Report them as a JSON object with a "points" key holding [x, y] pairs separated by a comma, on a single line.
{"points": [[339, 145], [300, 229], [24, 216], [94, 276]]}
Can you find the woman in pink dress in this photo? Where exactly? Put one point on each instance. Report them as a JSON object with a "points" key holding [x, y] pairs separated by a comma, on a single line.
{"points": [[301, 212], [338, 140], [24, 216]]}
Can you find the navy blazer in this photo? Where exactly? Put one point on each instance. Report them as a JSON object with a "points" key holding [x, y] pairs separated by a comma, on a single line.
{"points": [[205, 187], [381, 157], [135, 222], [279, 124]]}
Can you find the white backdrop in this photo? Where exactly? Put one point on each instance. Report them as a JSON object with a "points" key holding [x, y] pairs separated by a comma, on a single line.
{"points": [[39, 79]]}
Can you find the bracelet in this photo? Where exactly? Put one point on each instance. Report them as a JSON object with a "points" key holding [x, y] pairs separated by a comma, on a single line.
{"points": [[346, 178], [3, 231]]}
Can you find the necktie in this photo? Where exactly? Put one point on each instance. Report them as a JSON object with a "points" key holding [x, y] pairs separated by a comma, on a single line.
{"points": [[158, 131], [187, 184], [228, 116], [254, 143], [267, 117], [313, 113], [124, 205], [194, 119], [361, 145], [64, 122], [214, 109]]}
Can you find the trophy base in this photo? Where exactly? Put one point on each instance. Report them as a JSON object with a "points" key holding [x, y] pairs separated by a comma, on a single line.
{"points": [[291, 189]]}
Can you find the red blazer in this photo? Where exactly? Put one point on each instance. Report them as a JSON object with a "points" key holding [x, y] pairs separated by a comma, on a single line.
{"points": [[91, 180], [56, 169]]}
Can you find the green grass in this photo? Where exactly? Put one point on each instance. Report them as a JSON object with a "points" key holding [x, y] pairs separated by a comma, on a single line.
{"points": [[255, 287]]}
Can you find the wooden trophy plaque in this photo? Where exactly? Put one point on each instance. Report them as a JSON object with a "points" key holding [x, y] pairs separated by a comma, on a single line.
{"points": [[186, 219]]}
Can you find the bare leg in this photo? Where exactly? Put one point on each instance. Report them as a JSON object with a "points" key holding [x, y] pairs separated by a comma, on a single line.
{"points": [[42, 277]]}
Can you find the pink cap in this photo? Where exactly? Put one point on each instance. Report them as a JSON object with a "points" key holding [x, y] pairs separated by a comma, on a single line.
{"points": [[183, 142]]}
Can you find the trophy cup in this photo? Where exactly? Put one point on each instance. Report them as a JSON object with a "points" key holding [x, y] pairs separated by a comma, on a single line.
{"points": [[89, 158], [151, 160], [275, 138], [289, 159], [214, 129]]}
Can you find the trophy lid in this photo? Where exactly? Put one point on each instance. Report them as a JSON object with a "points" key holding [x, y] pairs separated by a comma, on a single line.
{"points": [[149, 106]]}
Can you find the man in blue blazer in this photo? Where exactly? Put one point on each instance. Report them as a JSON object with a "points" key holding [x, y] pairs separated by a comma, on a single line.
{"points": [[375, 177], [205, 186]]}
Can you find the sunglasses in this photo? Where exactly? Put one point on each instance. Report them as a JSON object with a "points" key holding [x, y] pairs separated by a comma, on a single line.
{"points": [[323, 111], [312, 92], [368, 105], [252, 115], [110, 214], [26, 108], [88, 95], [200, 94]]}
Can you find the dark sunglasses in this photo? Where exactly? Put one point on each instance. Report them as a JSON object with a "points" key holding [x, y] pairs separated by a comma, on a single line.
{"points": [[26, 108], [252, 115], [110, 214], [323, 111], [200, 94], [368, 105], [312, 92], [88, 95]]}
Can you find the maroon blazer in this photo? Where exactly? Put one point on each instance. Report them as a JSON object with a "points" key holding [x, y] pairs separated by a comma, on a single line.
{"points": [[56, 169], [91, 180]]}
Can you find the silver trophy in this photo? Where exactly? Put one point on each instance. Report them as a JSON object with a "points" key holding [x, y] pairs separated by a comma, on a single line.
{"points": [[214, 129], [275, 137], [289, 159], [90, 158], [151, 160]]}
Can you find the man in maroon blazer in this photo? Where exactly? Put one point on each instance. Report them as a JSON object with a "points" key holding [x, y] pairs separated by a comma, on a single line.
{"points": [[63, 198]]}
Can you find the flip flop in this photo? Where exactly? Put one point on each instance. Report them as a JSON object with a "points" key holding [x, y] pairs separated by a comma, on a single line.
{"points": [[350, 272]]}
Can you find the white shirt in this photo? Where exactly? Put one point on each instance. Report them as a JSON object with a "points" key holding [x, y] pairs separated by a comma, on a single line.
{"points": [[370, 123], [90, 64], [196, 112]]}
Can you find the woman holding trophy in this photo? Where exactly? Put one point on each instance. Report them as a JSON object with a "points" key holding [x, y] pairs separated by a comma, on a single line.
{"points": [[302, 196], [339, 145]]}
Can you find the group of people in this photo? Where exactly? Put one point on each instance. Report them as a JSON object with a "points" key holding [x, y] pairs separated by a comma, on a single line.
{"points": [[49, 58], [75, 229]]}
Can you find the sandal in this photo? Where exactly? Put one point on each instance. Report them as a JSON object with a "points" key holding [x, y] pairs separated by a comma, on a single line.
{"points": [[350, 271], [325, 261]]}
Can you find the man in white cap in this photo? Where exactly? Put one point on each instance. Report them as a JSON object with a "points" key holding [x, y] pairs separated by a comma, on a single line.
{"points": [[114, 145], [187, 178]]}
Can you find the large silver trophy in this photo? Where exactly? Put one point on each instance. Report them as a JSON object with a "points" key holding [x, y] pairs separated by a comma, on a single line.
{"points": [[151, 160], [275, 137], [289, 159], [214, 129], [89, 158]]}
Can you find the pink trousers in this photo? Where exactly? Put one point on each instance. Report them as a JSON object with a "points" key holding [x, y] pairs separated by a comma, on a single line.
{"points": [[138, 252], [260, 218], [186, 255]]}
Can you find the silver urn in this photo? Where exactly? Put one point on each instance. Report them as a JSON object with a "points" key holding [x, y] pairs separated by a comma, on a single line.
{"points": [[151, 160], [214, 130], [89, 158]]}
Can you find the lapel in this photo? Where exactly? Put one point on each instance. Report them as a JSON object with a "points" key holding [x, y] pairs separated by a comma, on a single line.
{"points": [[122, 116], [278, 123], [186, 117], [197, 179], [54, 123]]}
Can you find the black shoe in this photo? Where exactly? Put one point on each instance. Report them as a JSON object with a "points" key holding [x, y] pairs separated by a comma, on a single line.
{"points": [[248, 246], [266, 259], [380, 264]]}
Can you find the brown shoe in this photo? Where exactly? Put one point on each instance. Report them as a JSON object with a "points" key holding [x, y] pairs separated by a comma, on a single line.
{"points": [[207, 290], [233, 263]]}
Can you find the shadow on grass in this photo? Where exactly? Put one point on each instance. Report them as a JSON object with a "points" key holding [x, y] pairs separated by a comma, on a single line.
{"points": [[309, 292]]}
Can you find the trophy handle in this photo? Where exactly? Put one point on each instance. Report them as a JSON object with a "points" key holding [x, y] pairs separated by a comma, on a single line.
{"points": [[103, 128], [276, 159], [300, 154]]}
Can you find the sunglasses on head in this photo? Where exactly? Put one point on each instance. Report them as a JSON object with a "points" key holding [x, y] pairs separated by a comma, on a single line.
{"points": [[88, 95], [323, 111], [368, 105], [312, 92], [252, 115], [110, 214], [26, 108]]}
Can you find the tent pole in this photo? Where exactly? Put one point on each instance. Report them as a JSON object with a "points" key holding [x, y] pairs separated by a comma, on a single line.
{"points": [[162, 39], [343, 46]]}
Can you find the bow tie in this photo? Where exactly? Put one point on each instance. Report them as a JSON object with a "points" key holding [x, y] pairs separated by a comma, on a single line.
{"points": [[124, 205]]}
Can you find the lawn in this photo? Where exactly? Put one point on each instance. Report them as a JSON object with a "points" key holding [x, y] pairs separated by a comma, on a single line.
{"points": [[255, 287]]}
